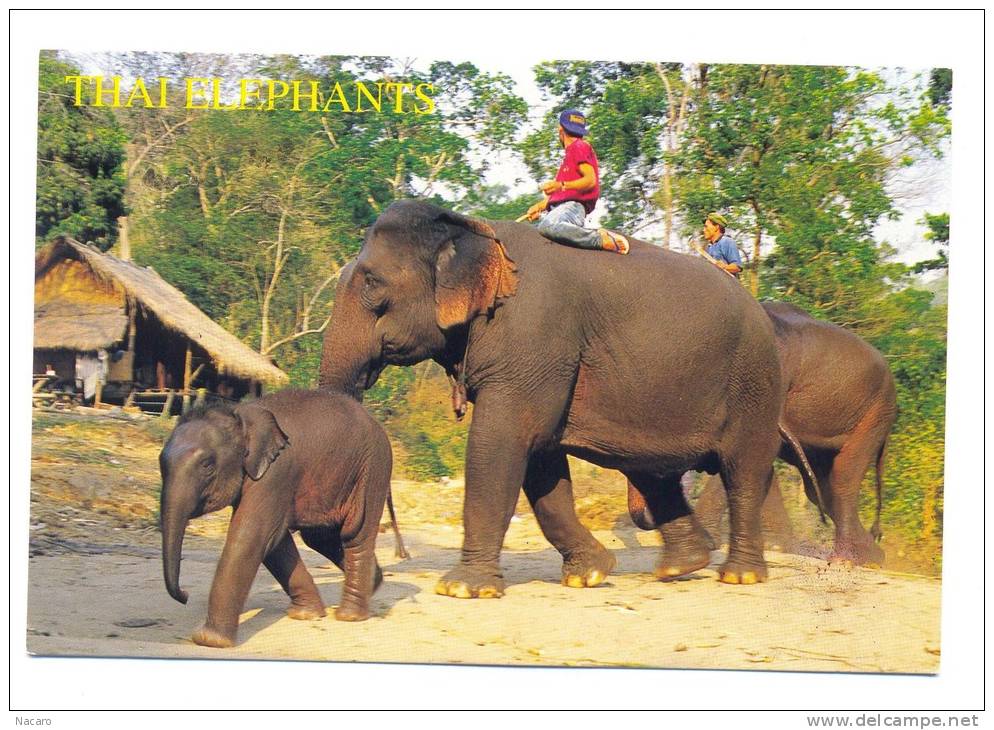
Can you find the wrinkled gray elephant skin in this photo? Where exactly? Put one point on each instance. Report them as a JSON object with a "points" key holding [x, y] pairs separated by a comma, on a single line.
{"points": [[651, 363], [306, 460]]}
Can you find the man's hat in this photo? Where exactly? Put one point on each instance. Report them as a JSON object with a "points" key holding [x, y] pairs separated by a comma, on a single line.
{"points": [[718, 219], [574, 122]]}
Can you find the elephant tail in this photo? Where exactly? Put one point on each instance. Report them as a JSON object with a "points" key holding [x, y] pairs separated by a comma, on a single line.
{"points": [[808, 471], [399, 550], [881, 457]]}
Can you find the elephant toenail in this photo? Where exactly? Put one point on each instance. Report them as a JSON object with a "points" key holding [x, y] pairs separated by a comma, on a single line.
{"points": [[573, 581]]}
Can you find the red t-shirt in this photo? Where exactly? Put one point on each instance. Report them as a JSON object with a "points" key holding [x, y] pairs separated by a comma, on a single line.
{"points": [[577, 153]]}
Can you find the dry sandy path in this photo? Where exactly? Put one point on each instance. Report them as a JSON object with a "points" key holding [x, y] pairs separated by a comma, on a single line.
{"points": [[110, 601]]}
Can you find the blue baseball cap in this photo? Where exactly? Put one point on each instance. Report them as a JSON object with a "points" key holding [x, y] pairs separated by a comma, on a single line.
{"points": [[574, 122]]}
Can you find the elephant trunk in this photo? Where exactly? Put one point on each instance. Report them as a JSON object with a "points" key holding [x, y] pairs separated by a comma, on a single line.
{"points": [[350, 356], [175, 513]]}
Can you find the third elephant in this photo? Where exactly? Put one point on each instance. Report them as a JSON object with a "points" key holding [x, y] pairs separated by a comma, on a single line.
{"points": [[840, 404]]}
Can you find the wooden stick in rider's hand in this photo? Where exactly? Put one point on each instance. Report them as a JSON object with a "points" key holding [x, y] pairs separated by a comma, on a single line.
{"points": [[697, 247]]}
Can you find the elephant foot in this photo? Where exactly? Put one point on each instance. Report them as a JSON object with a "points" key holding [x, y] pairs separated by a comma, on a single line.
{"points": [[352, 612], [676, 563], [207, 636], [306, 612], [687, 547], [865, 552], [588, 569], [739, 571], [469, 582]]}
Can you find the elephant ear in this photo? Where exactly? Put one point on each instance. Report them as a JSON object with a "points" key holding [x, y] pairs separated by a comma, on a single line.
{"points": [[264, 439], [472, 271]]}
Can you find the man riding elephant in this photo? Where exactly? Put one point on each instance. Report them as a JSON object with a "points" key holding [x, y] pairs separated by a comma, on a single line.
{"points": [[571, 197], [722, 249]]}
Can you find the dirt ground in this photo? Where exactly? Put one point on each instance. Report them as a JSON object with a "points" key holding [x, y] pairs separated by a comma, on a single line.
{"points": [[96, 589]]}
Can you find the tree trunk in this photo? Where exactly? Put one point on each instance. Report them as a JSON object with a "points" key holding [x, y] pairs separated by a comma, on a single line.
{"points": [[671, 131], [271, 289], [756, 241], [668, 205]]}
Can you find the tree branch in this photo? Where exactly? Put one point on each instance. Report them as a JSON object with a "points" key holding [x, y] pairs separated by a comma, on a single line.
{"points": [[153, 144], [297, 336]]}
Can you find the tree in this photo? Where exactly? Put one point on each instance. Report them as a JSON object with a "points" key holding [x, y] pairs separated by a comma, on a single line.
{"points": [[803, 155], [80, 162], [152, 133], [246, 225], [253, 213]]}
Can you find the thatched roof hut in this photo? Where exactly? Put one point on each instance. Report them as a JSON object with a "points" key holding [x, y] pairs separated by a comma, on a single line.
{"points": [[86, 300]]}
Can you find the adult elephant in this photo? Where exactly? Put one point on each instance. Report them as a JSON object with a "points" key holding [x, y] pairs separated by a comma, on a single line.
{"points": [[840, 404], [652, 363]]}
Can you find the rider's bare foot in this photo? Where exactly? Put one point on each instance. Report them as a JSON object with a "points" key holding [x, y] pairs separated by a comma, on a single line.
{"points": [[611, 241]]}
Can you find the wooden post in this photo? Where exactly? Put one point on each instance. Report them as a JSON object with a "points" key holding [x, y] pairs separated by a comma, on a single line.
{"points": [[168, 405], [187, 366], [201, 397], [124, 246], [131, 325]]}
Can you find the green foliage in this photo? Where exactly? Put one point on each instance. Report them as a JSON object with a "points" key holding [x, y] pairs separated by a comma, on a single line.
{"points": [[911, 333], [492, 202], [253, 214], [388, 396], [80, 163], [424, 424], [938, 232], [940, 86], [423, 461], [938, 228]]}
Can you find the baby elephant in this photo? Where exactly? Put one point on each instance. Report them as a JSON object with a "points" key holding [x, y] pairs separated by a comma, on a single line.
{"points": [[296, 460]]}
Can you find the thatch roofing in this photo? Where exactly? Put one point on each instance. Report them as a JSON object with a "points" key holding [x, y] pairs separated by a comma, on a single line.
{"points": [[74, 325], [78, 325]]}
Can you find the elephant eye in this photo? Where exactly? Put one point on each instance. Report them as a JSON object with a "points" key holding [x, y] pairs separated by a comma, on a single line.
{"points": [[207, 464], [372, 296]]}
